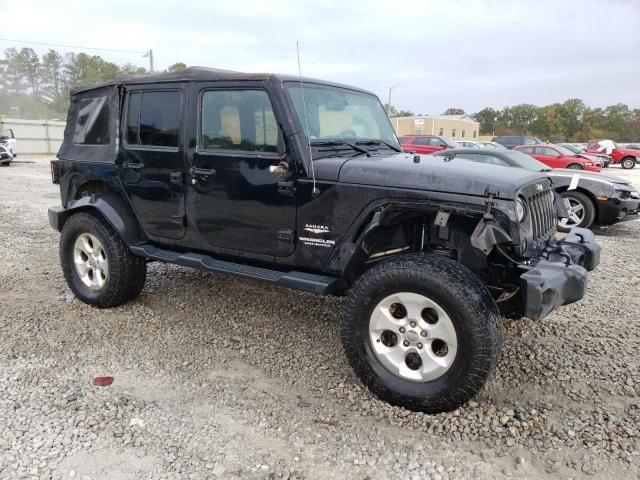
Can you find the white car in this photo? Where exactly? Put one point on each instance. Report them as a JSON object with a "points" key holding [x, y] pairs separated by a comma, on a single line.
{"points": [[5, 155], [8, 140]]}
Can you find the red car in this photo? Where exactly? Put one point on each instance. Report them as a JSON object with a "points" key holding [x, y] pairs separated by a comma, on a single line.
{"points": [[426, 143], [626, 157], [555, 156]]}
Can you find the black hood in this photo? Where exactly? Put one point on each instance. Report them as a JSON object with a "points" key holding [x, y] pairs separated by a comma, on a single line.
{"points": [[431, 173]]}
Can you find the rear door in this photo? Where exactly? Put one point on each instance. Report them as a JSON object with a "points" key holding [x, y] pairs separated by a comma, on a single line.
{"points": [[152, 172], [421, 145]]}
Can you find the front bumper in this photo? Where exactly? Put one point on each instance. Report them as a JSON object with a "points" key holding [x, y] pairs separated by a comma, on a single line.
{"points": [[614, 210], [559, 277]]}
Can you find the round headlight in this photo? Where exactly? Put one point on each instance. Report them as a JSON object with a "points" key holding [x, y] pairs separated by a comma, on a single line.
{"points": [[520, 209]]}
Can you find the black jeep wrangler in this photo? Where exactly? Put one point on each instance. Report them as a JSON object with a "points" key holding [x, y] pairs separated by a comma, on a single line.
{"points": [[302, 183]]}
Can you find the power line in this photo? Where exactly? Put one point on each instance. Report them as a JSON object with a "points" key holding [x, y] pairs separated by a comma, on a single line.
{"points": [[71, 46]]}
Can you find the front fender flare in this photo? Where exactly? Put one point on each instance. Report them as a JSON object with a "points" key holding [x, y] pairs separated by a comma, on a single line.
{"points": [[110, 206]]}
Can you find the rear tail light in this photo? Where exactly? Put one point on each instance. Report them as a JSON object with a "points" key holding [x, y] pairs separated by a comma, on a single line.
{"points": [[54, 172]]}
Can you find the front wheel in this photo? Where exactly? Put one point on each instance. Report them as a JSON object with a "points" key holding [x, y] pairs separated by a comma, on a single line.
{"points": [[421, 332], [97, 264], [575, 166], [628, 163], [581, 210]]}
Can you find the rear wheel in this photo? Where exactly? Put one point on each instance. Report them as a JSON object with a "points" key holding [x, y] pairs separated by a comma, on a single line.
{"points": [[421, 332], [97, 264], [582, 211], [628, 163], [575, 166]]}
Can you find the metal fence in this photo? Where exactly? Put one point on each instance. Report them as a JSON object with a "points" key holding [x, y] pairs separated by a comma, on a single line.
{"points": [[35, 136]]}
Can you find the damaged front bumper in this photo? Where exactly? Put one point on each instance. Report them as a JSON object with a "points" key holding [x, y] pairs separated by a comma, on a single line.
{"points": [[559, 275]]}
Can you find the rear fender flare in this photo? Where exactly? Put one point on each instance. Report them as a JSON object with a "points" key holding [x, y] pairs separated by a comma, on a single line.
{"points": [[114, 210]]}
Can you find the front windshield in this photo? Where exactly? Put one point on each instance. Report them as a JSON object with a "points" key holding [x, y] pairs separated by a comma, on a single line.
{"points": [[340, 114], [6, 134], [525, 161], [571, 148], [449, 143], [564, 151]]}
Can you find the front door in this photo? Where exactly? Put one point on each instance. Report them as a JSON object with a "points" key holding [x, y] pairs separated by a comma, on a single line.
{"points": [[153, 168], [549, 157], [234, 198]]}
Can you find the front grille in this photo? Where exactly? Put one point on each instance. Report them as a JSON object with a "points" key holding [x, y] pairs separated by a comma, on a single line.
{"points": [[543, 213]]}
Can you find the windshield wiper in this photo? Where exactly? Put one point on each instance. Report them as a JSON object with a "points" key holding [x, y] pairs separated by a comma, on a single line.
{"points": [[335, 143], [373, 142]]}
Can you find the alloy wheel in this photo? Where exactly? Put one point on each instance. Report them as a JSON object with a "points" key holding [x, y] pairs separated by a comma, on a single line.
{"points": [[413, 337], [576, 214], [90, 261]]}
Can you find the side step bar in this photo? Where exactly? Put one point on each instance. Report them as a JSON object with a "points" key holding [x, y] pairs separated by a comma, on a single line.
{"points": [[308, 282]]}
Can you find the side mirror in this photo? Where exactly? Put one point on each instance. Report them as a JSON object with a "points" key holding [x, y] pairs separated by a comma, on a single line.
{"points": [[281, 170]]}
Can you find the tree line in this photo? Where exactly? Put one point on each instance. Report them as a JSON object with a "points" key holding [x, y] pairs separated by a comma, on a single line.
{"points": [[34, 86], [38, 86], [571, 121]]}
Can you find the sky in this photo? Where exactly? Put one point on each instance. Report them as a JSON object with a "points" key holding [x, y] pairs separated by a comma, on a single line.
{"points": [[468, 54]]}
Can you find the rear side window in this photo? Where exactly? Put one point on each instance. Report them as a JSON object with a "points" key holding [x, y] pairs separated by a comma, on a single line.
{"points": [[238, 120], [527, 150], [92, 122], [153, 118], [530, 141]]}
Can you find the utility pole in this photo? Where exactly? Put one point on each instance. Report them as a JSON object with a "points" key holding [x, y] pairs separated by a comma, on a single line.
{"points": [[389, 102], [150, 55]]}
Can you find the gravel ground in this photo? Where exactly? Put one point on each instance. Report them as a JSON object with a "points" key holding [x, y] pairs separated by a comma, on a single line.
{"points": [[216, 377]]}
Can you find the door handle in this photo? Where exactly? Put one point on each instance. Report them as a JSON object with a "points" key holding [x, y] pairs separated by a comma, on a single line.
{"points": [[176, 178], [281, 170], [135, 166], [202, 171]]}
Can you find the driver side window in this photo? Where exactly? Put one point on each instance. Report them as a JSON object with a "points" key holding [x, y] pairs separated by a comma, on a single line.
{"points": [[549, 152], [238, 120]]}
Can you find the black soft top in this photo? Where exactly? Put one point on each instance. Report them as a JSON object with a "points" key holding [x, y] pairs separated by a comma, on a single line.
{"points": [[194, 74]]}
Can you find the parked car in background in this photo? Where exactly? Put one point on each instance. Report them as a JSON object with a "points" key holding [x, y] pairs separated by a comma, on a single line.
{"points": [[597, 158], [426, 143], [469, 144], [492, 145], [8, 140], [590, 198], [624, 156], [555, 156], [511, 141], [5, 155]]}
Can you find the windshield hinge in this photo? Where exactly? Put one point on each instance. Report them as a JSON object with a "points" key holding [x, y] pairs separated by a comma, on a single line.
{"points": [[490, 203]]}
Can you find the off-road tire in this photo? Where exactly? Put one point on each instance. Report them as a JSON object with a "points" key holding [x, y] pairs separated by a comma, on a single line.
{"points": [[467, 302], [127, 272], [588, 206], [628, 163]]}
